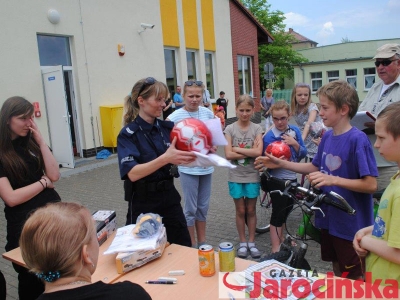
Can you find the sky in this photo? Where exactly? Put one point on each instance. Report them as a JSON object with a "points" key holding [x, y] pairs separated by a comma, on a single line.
{"points": [[327, 22]]}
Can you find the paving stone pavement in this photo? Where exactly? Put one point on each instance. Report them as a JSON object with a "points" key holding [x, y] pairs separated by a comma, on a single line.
{"points": [[96, 184]]}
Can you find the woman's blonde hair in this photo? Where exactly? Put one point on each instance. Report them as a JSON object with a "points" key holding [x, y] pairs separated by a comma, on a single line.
{"points": [[146, 90], [52, 239], [293, 102]]}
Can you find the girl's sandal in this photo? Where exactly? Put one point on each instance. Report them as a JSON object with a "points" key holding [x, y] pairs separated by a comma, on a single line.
{"points": [[242, 251], [254, 252]]}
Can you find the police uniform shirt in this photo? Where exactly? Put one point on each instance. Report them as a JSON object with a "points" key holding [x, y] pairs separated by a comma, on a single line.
{"points": [[134, 148]]}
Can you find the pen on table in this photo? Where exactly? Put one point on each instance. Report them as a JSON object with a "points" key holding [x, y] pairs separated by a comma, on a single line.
{"points": [[160, 282]]}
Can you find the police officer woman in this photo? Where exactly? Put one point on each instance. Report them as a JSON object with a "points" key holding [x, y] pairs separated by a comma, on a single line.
{"points": [[147, 158]]}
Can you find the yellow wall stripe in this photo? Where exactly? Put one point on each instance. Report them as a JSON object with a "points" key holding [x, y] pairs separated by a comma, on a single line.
{"points": [[190, 24], [207, 15], [169, 21]]}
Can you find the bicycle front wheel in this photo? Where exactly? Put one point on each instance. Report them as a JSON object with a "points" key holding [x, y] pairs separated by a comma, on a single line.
{"points": [[263, 210]]}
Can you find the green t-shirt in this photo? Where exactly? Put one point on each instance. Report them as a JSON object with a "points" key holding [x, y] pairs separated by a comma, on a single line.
{"points": [[387, 228]]}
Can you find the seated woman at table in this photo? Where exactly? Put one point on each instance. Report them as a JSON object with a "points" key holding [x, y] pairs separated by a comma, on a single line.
{"points": [[59, 244]]}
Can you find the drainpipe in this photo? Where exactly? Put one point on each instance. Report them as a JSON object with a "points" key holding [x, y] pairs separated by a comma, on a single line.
{"points": [[302, 71], [88, 80]]}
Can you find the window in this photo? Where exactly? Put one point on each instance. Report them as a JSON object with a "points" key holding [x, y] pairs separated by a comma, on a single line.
{"points": [[244, 75], [191, 65], [54, 50], [369, 78], [209, 74], [333, 75], [351, 77], [170, 69], [316, 81]]}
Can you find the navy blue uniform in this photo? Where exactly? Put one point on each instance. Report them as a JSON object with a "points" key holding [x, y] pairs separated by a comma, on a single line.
{"points": [[140, 142]]}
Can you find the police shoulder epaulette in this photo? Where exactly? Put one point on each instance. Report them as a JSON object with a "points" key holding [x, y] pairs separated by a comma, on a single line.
{"points": [[131, 128]]}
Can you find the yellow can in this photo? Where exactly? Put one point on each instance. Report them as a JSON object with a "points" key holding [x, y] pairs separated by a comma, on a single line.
{"points": [[206, 260], [226, 257]]}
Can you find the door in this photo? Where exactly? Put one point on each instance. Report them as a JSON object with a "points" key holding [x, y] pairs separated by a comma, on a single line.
{"points": [[58, 116]]}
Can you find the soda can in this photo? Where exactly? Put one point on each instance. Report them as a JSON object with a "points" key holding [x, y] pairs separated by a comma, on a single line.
{"points": [[206, 260], [226, 257]]}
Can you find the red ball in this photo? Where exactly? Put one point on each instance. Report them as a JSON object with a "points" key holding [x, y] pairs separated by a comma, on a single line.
{"points": [[279, 149], [192, 135]]}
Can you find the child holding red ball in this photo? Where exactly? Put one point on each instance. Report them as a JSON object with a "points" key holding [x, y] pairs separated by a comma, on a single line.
{"points": [[290, 135]]}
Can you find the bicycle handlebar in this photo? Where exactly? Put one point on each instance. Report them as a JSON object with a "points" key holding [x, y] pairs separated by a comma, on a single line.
{"points": [[311, 198]]}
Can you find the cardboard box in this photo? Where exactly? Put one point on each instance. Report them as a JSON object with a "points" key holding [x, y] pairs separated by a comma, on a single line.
{"points": [[106, 223], [127, 261]]}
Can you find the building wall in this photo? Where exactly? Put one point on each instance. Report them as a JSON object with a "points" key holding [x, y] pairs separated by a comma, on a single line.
{"points": [[340, 57], [224, 70], [244, 42], [102, 76], [95, 28]]}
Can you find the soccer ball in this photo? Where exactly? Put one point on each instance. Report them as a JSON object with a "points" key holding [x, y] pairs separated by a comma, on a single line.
{"points": [[279, 149], [192, 135]]}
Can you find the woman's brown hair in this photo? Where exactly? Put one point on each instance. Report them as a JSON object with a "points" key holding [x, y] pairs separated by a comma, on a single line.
{"points": [[14, 166]]}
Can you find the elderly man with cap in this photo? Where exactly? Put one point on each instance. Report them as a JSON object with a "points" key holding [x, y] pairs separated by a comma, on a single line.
{"points": [[381, 95]]}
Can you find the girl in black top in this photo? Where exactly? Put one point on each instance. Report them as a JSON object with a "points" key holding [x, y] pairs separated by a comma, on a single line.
{"points": [[27, 172]]}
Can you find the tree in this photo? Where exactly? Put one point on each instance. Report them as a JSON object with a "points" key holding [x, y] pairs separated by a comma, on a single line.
{"points": [[280, 52], [346, 40]]}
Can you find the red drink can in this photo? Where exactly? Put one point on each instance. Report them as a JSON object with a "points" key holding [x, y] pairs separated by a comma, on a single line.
{"points": [[206, 260]]}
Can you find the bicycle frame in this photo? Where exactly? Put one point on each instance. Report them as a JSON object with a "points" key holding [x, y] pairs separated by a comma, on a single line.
{"points": [[306, 227]]}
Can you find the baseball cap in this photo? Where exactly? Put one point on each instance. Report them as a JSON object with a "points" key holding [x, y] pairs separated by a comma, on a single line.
{"points": [[387, 51], [221, 108]]}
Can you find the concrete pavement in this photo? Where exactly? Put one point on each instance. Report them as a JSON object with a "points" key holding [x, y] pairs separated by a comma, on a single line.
{"points": [[96, 184]]}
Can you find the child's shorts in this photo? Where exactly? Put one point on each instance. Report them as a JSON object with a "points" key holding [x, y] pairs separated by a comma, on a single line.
{"points": [[247, 190], [337, 249]]}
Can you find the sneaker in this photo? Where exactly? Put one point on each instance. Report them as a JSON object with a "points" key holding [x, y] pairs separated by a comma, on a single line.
{"points": [[254, 252], [242, 251]]}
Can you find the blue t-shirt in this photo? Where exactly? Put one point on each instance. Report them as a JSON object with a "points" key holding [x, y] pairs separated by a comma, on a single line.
{"points": [[348, 155], [276, 135], [178, 99]]}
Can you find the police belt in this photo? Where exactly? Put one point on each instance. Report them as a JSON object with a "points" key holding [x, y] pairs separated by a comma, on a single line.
{"points": [[156, 186]]}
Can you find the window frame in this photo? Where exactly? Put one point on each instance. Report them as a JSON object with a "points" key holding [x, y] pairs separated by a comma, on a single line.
{"points": [[210, 80], [332, 75], [193, 54], [315, 79], [171, 85], [245, 82], [368, 75], [351, 76]]}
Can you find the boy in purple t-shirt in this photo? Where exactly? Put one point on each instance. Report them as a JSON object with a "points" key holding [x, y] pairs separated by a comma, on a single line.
{"points": [[344, 164]]}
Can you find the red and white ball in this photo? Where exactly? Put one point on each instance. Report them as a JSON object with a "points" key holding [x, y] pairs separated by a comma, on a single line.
{"points": [[279, 149], [192, 135]]}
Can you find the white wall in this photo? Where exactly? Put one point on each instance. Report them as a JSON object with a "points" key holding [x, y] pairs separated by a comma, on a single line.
{"points": [[223, 55], [96, 27], [102, 76]]}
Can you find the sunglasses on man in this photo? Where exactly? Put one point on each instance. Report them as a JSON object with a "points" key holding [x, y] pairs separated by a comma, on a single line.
{"points": [[385, 62]]}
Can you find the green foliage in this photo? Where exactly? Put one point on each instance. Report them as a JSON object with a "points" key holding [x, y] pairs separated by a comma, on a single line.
{"points": [[279, 52], [346, 40]]}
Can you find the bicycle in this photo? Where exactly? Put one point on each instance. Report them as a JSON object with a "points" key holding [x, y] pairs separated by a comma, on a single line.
{"points": [[263, 211], [293, 249]]}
